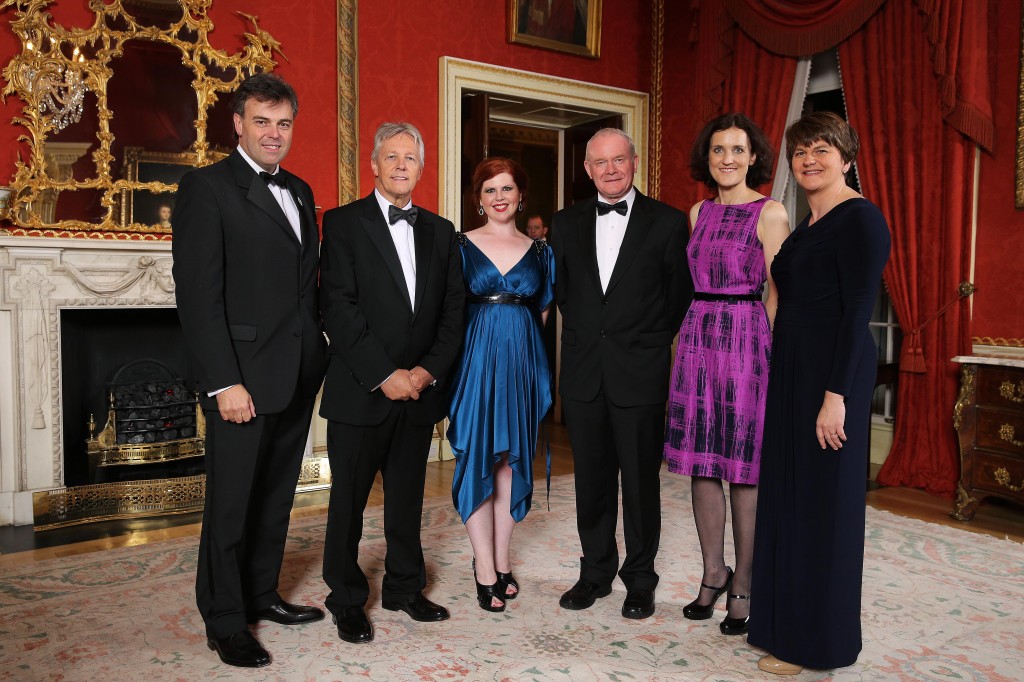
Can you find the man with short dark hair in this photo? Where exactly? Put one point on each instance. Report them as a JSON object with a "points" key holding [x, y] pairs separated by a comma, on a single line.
{"points": [[392, 303], [245, 270], [535, 227], [623, 288]]}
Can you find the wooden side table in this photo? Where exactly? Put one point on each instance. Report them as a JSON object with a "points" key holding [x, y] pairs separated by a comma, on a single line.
{"points": [[989, 417]]}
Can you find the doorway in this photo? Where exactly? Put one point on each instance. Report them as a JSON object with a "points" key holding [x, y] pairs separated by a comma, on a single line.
{"points": [[543, 122]]}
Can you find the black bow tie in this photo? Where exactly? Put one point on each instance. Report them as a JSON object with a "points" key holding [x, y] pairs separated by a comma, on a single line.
{"points": [[395, 214], [273, 179], [603, 209]]}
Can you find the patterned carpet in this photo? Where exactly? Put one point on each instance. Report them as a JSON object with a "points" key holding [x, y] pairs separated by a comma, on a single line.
{"points": [[939, 604]]}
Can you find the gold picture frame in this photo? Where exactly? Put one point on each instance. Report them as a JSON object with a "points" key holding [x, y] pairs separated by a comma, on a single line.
{"points": [[572, 26], [154, 178]]}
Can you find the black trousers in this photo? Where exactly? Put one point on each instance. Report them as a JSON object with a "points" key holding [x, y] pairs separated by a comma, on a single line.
{"points": [[251, 472], [608, 440], [398, 450]]}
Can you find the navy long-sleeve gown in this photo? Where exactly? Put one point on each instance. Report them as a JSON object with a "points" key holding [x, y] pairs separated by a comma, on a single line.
{"points": [[809, 538]]}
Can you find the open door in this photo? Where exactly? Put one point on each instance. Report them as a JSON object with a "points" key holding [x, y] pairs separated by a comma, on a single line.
{"points": [[475, 117]]}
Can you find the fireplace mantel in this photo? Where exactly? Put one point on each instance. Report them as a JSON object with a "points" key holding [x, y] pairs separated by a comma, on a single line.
{"points": [[39, 276]]}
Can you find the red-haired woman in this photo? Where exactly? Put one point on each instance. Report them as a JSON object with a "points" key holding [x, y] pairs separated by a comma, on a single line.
{"points": [[502, 388]]}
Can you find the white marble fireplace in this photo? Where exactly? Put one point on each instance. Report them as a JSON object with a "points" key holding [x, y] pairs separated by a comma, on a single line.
{"points": [[38, 278]]}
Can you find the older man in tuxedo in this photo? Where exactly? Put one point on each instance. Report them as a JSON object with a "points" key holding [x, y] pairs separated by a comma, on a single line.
{"points": [[623, 288], [245, 268], [392, 303]]}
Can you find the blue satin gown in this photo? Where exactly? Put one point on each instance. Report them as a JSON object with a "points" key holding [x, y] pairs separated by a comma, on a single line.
{"points": [[502, 387]]}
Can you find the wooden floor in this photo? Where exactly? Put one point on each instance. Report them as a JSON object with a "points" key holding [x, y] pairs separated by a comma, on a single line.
{"points": [[1002, 520]]}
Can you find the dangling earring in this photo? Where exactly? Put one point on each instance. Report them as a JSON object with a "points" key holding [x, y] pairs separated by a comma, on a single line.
{"points": [[480, 210], [520, 207]]}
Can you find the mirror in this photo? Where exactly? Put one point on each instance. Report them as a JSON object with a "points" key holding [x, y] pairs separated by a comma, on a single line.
{"points": [[116, 112]]}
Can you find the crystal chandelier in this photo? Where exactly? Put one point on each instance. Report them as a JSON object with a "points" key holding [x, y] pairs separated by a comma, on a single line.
{"points": [[56, 84]]}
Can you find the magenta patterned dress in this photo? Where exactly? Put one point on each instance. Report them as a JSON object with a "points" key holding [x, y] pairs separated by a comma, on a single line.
{"points": [[720, 376]]}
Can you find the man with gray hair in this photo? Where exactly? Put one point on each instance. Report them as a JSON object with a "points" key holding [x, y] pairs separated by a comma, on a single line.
{"points": [[392, 300], [623, 288]]}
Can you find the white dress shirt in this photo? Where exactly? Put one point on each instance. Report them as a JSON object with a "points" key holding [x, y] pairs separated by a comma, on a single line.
{"points": [[405, 244], [284, 198], [611, 228]]}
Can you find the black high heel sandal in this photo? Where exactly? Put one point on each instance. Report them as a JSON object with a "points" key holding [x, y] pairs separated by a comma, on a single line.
{"points": [[734, 626], [486, 594], [508, 580], [697, 611]]}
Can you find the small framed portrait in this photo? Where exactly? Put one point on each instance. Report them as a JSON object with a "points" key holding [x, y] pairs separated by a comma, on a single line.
{"points": [[572, 26], [152, 206]]}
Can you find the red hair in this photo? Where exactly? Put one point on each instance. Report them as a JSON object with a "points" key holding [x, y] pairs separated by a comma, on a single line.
{"points": [[496, 165]]}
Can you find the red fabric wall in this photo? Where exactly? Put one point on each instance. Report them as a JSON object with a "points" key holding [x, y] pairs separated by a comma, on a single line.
{"points": [[999, 271], [401, 41]]}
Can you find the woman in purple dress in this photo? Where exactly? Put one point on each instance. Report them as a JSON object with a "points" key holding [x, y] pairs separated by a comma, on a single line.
{"points": [[716, 403]]}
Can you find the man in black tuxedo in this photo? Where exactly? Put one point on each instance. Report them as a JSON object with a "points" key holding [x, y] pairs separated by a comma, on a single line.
{"points": [[623, 288], [245, 270], [392, 304]]}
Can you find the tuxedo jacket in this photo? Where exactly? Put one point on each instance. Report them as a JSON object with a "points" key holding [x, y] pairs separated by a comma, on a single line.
{"points": [[620, 340], [246, 288], [372, 326]]}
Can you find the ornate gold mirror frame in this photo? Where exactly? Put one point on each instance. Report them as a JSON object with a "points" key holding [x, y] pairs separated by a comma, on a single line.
{"points": [[57, 66]]}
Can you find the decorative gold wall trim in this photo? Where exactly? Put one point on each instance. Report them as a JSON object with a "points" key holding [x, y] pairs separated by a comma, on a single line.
{"points": [[457, 75], [348, 102], [657, 88], [998, 341], [1019, 174]]}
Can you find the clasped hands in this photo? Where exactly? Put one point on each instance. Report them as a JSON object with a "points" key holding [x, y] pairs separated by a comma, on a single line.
{"points": [[405, 384]]}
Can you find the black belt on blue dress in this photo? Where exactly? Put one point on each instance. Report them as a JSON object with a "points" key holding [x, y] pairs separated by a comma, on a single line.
{"points": [[729, 298], [502, 297]]}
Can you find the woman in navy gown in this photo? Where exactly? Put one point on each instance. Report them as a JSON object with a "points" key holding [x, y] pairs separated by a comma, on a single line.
{"points": [[809, 536], [502, 388]]}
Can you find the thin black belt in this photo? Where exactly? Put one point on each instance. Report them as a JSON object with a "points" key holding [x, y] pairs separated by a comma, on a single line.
{"points": [[503, 297], [730, 298]]}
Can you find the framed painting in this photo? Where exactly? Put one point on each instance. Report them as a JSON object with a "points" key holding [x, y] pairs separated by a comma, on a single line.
{"points": [[152, 205], [572, 26]]}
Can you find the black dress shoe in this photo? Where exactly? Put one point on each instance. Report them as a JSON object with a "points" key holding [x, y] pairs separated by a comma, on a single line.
{"points": [[418, 607], [638, 604], [353, 625], [288, 614], [583, 594], [240, 650]]}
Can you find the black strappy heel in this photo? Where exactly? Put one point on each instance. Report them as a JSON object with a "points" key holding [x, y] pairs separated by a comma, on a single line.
{"points": [[486, 594], [508, 580], [734, 626], [696, 611]]}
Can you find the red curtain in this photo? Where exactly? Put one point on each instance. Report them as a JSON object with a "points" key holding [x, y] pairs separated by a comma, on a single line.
{"points": [[798, 28], [760, 87], [916, 81], [958, 35], [920, 172], [738, 75]]}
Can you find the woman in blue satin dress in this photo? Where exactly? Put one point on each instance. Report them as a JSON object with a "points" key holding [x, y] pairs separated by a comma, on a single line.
{"points": [[502, 387]]}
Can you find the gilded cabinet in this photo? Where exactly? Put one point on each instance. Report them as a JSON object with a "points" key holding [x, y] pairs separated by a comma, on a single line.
{"points": [[989, 417]]}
